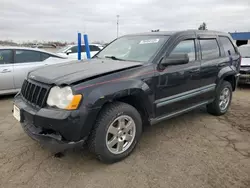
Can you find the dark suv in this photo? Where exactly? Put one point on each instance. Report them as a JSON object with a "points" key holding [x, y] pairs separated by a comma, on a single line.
{"points": [[136, 80]]}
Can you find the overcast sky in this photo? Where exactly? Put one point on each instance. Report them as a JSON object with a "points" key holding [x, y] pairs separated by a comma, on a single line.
{"points": [[22, 20]]}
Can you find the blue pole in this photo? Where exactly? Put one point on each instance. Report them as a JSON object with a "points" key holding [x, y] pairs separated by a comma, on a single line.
{"points": [[86, 45], [79, 46]]}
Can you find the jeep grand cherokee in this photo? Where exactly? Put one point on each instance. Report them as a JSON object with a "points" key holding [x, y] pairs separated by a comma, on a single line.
{"points": [[136, 80]]}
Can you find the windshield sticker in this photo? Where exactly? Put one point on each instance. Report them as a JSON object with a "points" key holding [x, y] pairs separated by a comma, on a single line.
{"points": [[149, 41]]}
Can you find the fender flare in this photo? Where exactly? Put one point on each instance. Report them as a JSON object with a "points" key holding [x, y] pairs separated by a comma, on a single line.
{"points": [[103, 94], [225, 72]]}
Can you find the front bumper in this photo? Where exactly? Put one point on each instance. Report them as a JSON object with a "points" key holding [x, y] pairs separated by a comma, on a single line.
{"points": [[244, 75], [50, 140], [60, 129]]}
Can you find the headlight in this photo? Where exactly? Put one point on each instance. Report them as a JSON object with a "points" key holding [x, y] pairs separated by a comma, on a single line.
{"points": [[63, 98]]}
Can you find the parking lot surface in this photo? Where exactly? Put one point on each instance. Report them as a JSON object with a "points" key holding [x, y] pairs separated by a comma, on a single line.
{"points": [[192, 150]]}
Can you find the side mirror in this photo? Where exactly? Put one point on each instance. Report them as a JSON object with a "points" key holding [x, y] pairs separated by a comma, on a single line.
{"points": [[68, 52], [175, 59]]}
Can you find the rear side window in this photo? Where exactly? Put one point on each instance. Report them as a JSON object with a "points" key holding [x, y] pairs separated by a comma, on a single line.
{"points": [[227, 45], [45, 56], [185, 47], [209, 49], [94, 48], [26, 56], [6, 56]]}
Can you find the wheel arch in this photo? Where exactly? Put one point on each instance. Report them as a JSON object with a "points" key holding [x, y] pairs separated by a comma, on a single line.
{"points": [[232, 80], [227, 74], [133, 92]]}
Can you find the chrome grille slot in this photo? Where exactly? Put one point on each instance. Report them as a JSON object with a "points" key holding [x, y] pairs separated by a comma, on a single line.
{"points": [[34, 93]]}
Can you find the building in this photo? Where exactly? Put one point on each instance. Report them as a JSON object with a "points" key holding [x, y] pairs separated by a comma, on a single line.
{"points": [[241, 38]]}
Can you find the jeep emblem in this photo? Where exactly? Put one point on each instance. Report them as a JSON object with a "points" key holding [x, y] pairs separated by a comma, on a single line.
{"points": [[32, 76]]}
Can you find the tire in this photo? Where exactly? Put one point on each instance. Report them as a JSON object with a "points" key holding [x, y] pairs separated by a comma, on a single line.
{"points": [[107, 121], [214, 108]]}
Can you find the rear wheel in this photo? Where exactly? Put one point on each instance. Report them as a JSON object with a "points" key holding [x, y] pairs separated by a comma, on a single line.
{"points": [[116, 132], [222, 99]]}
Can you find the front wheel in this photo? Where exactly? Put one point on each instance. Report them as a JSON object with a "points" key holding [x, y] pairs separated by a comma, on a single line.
{"points": [[222, 100], [116, 132]]}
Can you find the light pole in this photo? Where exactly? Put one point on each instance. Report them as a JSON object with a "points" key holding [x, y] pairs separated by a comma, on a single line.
{"points": [[117, 16]]}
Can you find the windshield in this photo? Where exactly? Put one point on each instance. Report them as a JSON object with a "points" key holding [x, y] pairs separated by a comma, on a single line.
{"points": [[62, 50], [245, 51], [133, 48]]}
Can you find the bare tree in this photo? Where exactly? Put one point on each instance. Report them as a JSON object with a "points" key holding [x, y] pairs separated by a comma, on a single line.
{"points": [[203, 26], [155, 30]]}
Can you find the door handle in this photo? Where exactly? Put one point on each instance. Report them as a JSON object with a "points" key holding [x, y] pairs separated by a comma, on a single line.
{"points": [[5, 70]]}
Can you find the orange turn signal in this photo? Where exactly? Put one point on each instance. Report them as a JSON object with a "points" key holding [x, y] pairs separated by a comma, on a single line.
{"points": [[74, 103]]}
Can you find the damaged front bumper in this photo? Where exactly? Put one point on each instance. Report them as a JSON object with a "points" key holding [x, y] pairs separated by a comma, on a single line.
{"points": [[56, 129], [50, 139]]}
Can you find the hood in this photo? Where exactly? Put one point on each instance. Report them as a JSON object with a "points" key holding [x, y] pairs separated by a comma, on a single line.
{"points": [[245, 62], [73, 71]]}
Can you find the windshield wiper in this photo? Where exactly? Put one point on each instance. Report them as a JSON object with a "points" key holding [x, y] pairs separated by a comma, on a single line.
{"points": [[115, 58]]}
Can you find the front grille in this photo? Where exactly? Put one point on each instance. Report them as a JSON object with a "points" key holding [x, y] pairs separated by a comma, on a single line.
{"points": [[34, 93]]}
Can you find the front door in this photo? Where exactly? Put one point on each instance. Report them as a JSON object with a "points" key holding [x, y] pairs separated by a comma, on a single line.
{"points": [[6, 70], [73, 53], [211, 57], [178, 85]]}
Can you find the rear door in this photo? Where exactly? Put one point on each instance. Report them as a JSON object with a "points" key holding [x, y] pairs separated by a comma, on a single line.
{"points": [[229, 52], [6, 70], [211, 58], [24, 62]]}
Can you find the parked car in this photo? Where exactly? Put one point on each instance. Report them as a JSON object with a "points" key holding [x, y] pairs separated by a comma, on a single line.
{"points": [[37, 46], [71, 51], [16, 62], [245, 64], [136, 80]]}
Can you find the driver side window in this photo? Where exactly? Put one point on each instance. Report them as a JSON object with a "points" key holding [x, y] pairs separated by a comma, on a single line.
{"points": [[186, 47]]}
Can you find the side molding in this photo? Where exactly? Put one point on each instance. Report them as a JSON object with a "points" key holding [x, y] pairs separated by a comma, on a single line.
{"points": [[185, 95]]}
